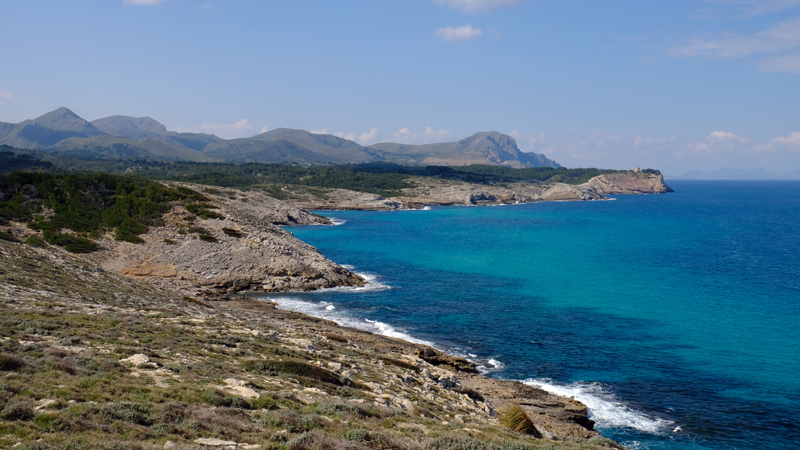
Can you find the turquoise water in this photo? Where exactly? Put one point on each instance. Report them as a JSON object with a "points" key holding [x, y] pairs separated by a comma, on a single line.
{"points": [[674, 317]]}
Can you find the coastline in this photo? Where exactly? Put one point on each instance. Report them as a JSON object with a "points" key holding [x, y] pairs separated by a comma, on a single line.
{"points": [[415, 384], [443, 192]]}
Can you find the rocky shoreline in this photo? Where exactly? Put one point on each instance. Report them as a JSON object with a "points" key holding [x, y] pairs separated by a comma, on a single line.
{"points": [[430, 191], [176, 277]]}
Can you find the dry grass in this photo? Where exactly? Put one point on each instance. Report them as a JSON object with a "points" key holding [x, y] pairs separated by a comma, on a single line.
{"points": [[515, 419]]}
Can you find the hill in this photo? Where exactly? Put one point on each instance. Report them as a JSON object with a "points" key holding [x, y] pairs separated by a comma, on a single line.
{"points": [[138, 128], [491, 148], [126, 137], [46, 130]]}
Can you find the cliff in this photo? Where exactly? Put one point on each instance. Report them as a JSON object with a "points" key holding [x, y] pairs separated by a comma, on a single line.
{"points": [[431, 191]]}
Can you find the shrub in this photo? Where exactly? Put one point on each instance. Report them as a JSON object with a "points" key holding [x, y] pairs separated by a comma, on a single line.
{"points": [[207, 238], [35, 241], [401, 364], [459, 442], [50, 423], [232, 233], [336, 337], [7, 237], [515, 419], [471, 393], [196, 302], [293, 367], [265, 402], [11, 362], [202, 210], [18, 411]]}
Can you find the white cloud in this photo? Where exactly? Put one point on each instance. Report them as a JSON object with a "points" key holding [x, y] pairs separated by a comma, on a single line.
{"points": [[726, 136], [370, 137], [322, 131], [141, 2], [264, 129], [5, 95], [223, 130], [779, 37], [405, 136], [790, 142], [474, 6], [463, 33]]}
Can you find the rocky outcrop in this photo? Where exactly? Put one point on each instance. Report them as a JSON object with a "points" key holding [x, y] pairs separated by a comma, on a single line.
{"points": [[245, 250], [429, 191], [628, 183]]}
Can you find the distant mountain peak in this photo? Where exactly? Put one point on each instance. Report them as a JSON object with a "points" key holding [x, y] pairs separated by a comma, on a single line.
{"points": [[61, 119], [130, 127]]}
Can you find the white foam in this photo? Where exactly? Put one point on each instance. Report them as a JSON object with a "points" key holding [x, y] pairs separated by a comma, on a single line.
{"points": [[497, 364], [604, 408], [325, 310], [373, 284], [335, 221]]}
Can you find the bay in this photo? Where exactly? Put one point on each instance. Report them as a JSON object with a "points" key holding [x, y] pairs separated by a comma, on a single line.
{"points": [[673, 317]]}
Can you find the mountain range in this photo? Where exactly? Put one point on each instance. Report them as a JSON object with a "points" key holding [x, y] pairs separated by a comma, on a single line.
{"points": [[124, 137]]}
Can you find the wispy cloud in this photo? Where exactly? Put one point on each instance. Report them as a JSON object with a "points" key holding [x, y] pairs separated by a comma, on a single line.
{"points": [[223, 130], [462, 33], [264, 129], [751, 8], [142, 2], [406, 136], [474, 6], [5, 95], [781, 36]]}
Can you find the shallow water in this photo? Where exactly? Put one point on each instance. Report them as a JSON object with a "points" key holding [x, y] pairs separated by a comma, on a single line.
{"points": [[673, 317]]}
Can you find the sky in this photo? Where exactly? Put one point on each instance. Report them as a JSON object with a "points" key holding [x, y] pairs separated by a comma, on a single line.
{"points": [[676, 85]]}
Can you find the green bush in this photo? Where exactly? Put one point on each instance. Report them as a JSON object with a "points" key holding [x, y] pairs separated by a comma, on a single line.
{"points": [[7, 237], [293, 367], [232, 233], [35, 241], [88, 203]]}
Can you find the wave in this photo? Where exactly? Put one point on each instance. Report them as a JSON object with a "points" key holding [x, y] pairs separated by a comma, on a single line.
{"points": [[326, 310], [604, 408], [335, 221]]}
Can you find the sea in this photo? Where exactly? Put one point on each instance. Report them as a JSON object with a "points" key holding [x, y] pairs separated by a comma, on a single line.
{"points": [[674, 317]]}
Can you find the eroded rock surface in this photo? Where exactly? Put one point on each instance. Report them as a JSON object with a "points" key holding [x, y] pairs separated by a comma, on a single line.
{"points": [[246, 250]]}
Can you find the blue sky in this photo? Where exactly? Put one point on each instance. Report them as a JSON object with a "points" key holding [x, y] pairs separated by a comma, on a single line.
{"points": [[673, 84]]}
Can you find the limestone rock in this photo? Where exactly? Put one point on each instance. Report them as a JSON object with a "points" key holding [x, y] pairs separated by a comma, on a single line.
{"points": [[137, 359], [213, 442]]}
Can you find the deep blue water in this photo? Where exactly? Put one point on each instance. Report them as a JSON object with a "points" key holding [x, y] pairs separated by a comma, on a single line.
{"points": [[674, 317]]}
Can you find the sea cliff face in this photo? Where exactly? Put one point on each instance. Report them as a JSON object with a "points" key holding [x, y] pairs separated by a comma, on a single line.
{"points": [[428, 191]]}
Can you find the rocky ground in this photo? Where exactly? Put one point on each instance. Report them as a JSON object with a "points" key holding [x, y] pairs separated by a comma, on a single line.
{"points": [[243, 249], [429, 191], [90, 358]]}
